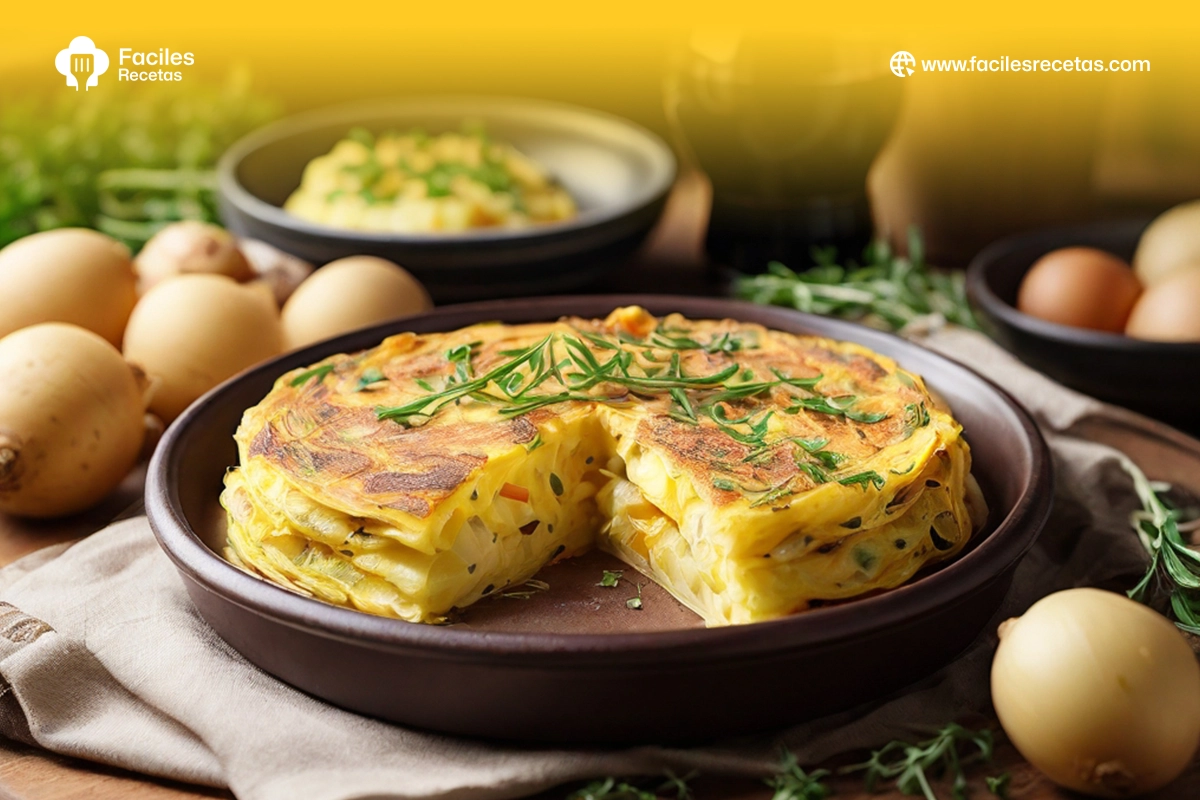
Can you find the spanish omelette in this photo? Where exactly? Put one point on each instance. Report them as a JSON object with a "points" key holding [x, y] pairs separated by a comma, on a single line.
{"points": [[750, 472]]}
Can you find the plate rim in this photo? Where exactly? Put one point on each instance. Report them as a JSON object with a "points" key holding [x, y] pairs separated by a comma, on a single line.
{"points": [[971, 573]]}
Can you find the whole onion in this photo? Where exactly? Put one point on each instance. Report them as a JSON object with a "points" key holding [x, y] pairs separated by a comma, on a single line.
{"points": [[1100, 693]]}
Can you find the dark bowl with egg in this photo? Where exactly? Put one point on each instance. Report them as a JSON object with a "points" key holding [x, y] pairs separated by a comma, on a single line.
{"points": [[1145, 376]]}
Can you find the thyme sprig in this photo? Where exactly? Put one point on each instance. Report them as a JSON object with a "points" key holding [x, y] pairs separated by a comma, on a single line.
{"points": [[912, 765], [793, 783], [1174, 566], [613, 789]]}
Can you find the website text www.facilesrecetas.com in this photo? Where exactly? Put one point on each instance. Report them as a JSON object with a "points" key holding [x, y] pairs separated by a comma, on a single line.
{"points": [[903, 64]]}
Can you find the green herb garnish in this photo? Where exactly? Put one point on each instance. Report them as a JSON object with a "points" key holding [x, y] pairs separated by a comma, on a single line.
{"points": [[316, 372], [817, 474], [911, 765], [916, 415], [556, 485], [999, 785], [569, 362], [1174, 568], [369, 378], [635, 603], [835, 407], [864, 479], [610, 578], [613, 789], [888, 292], [793, 783]]}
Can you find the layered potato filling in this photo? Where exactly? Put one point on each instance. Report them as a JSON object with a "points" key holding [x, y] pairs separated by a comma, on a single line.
{"points": [[752, 473]]}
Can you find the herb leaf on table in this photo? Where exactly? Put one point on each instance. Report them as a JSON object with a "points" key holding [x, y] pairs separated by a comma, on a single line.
{"points": [[912, 765], [673, 787], [793, 783]]}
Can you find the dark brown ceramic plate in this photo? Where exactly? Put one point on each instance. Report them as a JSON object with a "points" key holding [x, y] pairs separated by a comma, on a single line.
{"points": [[575, 664]]}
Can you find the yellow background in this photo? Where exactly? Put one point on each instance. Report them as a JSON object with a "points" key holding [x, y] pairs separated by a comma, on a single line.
{"points": [[976, 155]]}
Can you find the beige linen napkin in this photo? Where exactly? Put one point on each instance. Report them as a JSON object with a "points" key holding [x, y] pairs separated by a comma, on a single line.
{"points": [[103, 657]]}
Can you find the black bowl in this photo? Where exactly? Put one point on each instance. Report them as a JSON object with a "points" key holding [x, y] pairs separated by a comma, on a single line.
{"points": [[618, 173], [1148, 377], [580, 666]]}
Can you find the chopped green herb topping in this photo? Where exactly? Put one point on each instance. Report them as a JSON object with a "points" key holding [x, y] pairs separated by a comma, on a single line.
{"points": [[864, 479], [316, 372], [369, 378], [916, 415]]}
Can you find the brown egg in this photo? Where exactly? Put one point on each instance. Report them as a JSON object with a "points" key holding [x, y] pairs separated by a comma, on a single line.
{"points": [[1169, 311], [1081, 287]]}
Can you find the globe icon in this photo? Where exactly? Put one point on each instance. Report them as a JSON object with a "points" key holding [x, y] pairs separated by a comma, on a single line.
{"points": [[902, 64]]}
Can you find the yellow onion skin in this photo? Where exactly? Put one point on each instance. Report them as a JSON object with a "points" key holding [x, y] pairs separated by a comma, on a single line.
{"points": [[1099, 692]]}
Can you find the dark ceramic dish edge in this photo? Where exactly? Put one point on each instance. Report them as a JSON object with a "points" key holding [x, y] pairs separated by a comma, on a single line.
{"points": [[650, 192], [971, 573], [1044, 241]]}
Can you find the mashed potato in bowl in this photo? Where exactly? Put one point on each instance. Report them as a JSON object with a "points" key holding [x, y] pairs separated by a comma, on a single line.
{"points": [[417, 183]]}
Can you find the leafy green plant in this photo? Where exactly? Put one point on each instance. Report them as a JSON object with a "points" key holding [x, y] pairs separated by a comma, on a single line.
{"points": [[888, 291], [125, 161]]}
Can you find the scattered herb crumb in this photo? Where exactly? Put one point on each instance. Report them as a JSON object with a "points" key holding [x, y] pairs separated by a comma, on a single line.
{"points": [[610, 578], [793, 783], [999, 785], [611, 789], [635, 603], [614, 789], [911, 765]]}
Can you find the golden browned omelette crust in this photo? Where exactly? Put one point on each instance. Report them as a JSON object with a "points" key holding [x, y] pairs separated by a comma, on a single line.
{"points": [[695, 450]]}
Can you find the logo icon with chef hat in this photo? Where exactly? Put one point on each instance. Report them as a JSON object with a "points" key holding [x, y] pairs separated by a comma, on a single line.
{"points": [[82, 63]]}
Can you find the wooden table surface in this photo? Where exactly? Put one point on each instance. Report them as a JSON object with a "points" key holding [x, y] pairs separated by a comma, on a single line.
{"points": [[671, 261]]}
